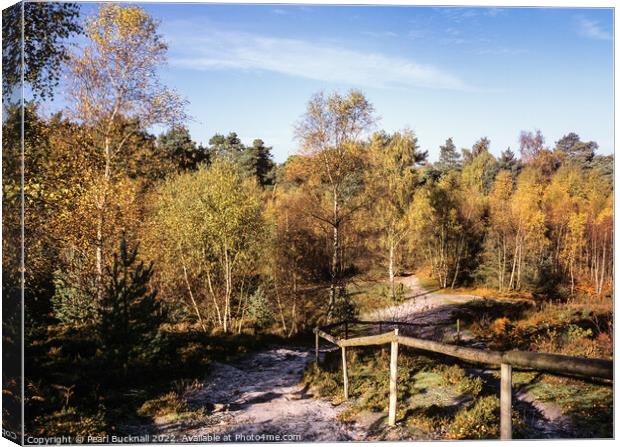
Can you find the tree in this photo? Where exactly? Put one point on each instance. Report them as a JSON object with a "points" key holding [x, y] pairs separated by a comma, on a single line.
{"points": [[207, 234], [130, 314], [449, 158], [179, 152], [330, 133], [256, 160], [437, 228], [603, 165], [531, 144], [500, 238], [392, 181], [259, 310], [529, 220], [480, 147], [508, 161], [74, 287], [479, 172], [229, 146], [46, 27], [299, 254], [575, 150], [115, 81], [578, 207]]}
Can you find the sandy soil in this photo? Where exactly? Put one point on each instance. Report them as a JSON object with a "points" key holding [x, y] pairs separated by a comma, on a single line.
{"points": [[262, 395], [431, 311]]}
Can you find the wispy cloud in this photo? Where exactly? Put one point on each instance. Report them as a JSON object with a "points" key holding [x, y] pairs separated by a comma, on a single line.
{"points": [[458, 15], [280, 12], [379, 34], [218, 50], [591, 29], [502, 51]]}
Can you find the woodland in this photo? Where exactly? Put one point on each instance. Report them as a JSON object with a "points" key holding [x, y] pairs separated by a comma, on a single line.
{"points": [[149, 255]]}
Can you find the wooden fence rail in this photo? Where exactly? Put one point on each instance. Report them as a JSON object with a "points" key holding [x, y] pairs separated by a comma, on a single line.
{"points": [[553, 363]]}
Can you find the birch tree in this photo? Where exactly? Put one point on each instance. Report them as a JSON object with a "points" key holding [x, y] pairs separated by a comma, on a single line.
{"points": [[392, 181], [114, 80], [206, 235], [330, 133]]}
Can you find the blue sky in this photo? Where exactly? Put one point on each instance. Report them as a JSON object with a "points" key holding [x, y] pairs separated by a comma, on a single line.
{"points": [[443, 72]]}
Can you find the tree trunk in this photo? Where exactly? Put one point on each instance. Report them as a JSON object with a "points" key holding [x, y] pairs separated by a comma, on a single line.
{"points": [[191, 295], [335, 261], [391, 270], [101, 210], [217, 307]]}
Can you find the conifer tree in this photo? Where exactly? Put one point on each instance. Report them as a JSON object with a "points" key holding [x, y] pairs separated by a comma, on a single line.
{"points": [[449, 158], [130, 314]]}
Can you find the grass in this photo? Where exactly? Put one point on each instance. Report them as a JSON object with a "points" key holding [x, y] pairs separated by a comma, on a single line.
{"points": [[440, 401], [75, 392], [371, 295], [588, 406], [435, 400]]}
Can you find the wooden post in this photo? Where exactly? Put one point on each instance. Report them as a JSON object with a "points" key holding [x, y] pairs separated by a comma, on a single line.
{"points": [[316, 351], [458, 329], [393, 379], [345, 376], [505, 402]]}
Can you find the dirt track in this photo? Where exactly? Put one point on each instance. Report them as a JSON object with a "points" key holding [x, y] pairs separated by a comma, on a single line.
{"points": [[261, 394]]}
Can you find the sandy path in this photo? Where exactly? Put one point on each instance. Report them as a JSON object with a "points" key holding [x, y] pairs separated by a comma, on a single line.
{"points": [[261, 395], [432, 311]]}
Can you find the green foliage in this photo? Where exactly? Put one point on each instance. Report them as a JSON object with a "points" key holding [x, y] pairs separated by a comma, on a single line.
{"points": [[257, 162], [575, 150], [130, 314], [179, 151], [449, 158], [345, 307], [169, 404], [46, 26], [207, 235], [508, 161], [455, 376], [74, 301], [259, 309], [228, 147], [480, 421]]}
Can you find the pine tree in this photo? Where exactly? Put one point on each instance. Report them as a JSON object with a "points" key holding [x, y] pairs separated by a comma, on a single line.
{"points": [[449, 158], [178, 149], [130, 314], [256, 160], [508, 161], [575, 150]]}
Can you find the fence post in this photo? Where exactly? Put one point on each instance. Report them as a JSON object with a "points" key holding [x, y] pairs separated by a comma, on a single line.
{"points": [[458, 329], [505, 402], [345, 376], [393, 379], [316, 351]]}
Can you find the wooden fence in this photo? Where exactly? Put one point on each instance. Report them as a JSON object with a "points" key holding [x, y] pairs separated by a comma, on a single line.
{"points": [[552, 363]]}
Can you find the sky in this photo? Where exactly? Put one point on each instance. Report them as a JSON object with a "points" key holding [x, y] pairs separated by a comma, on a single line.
{"points": [[442, 72]]}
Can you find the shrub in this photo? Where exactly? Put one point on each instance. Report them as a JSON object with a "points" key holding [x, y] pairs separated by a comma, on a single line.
{"points": [[74, 301], [344, 307], [259, 310], [479, 421], [455, 376], [170, 404]]}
